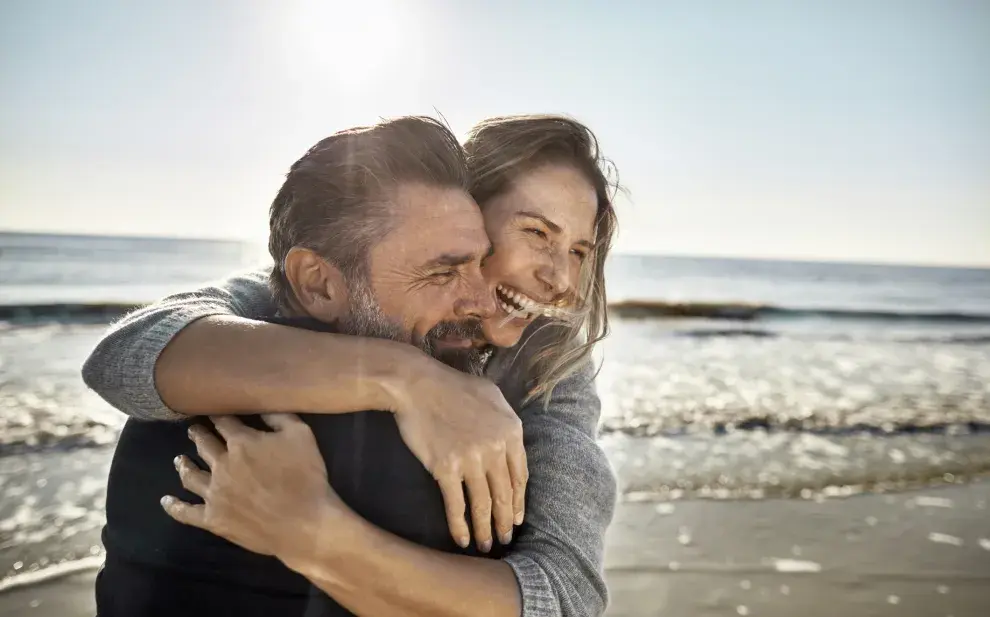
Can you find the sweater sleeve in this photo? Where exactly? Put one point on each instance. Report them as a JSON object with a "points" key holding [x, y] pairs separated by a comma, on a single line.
{"points": [[558, 557], [121, 369]]}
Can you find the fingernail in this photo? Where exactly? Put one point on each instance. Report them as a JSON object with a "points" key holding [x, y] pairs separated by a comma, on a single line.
{"points": [[192, 430], [486, 546], [463, 541], [167, 500], [506, 538], [519, 518], [176, 461]]}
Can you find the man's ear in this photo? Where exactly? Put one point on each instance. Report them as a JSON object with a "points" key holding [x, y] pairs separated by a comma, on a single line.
{"points": [[318, 286]]}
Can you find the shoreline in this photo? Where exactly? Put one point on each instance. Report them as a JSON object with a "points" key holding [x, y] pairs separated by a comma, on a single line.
{"points": [[916, 553]]}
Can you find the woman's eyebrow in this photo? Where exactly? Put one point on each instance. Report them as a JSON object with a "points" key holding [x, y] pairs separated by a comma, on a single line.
{"points": [[555, 228]]}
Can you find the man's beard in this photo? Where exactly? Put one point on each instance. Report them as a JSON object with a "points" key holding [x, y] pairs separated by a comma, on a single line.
{"points": [[366, 318], [471, 360]]}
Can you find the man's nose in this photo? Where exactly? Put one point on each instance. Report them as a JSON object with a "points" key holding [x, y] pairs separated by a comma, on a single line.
{"points": [[555, 275], [478, 300]]}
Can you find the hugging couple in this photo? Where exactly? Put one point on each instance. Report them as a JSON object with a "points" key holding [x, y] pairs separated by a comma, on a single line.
{"points": [[399, 416]]}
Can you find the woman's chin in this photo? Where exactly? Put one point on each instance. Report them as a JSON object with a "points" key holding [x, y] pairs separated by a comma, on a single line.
{"points": [[502, 334]]}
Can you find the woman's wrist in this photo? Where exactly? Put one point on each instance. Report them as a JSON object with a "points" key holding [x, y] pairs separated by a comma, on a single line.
{"points": [[408, 376], [367, 374]]}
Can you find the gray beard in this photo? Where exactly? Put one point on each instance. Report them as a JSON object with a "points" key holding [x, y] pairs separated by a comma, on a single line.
{"points": [[366, 318]]}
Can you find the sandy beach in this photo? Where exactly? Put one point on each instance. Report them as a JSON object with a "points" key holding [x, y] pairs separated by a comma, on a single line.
{"points": [[915, 554]]}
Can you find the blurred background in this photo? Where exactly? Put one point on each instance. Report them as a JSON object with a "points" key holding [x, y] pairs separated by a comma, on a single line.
{"points": [[797, 388]]}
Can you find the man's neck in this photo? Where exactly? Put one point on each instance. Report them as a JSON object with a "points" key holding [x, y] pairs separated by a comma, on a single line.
{"points": [[306, 322]]}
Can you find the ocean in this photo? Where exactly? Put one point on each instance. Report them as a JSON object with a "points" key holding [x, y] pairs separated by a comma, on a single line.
{"points": [[722, 378]]}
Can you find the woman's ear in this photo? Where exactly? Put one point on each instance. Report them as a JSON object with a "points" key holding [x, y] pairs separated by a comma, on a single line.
{"points": [[318, 287]]}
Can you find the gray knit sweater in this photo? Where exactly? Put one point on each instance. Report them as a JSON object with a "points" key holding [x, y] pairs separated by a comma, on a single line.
{"points": [[557, 558]]}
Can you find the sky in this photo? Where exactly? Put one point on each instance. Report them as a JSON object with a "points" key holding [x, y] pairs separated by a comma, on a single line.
{"points": [[845, 130]]}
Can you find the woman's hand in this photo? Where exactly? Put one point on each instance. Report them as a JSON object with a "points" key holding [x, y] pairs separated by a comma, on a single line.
{"points": [[465, 433], [267, 492]]}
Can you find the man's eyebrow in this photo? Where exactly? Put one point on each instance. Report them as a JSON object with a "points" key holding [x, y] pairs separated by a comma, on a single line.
{"points": [[452, 260], [555, 228]]}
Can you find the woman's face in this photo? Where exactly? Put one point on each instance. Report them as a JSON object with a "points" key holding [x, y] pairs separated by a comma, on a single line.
{"points": [[542, 231]]}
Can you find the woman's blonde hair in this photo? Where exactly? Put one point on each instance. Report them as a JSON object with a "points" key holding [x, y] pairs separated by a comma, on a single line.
{"points": [[501, 149]]}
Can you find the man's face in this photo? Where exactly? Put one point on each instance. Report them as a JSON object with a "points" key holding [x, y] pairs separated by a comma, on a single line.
{"points": [[425, 284]]}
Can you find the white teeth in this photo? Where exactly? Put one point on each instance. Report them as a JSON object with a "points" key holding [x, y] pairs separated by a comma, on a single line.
{"points": [[532, 307], [513, 311], [518, 298]]}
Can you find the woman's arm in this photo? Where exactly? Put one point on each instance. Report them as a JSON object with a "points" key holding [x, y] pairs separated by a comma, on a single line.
{"points": [[121, 368], [205, 352], [558, 556]]}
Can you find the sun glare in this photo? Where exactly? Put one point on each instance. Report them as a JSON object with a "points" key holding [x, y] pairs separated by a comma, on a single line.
{"points": [[342, 44]]}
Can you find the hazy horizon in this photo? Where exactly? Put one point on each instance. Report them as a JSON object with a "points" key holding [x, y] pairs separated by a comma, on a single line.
{"points": [[615, 252], [846, 131]]}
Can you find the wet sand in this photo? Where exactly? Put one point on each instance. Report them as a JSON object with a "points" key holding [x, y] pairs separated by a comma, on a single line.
{"points": [[920, 553], [924, 553]]}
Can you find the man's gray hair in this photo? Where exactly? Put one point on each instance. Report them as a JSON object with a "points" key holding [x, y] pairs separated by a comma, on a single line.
{"points": [[337, 199]]}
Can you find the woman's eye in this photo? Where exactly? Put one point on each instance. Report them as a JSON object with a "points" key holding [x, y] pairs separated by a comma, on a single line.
{"points": [[539, 233], [581, 255]]}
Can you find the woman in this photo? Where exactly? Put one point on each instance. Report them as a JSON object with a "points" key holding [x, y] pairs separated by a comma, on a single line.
{"points": [[546, 200]]}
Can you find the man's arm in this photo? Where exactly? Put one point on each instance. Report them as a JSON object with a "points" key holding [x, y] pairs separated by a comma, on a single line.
{"points": [[555, 566], [269, 493], [374, 572]]}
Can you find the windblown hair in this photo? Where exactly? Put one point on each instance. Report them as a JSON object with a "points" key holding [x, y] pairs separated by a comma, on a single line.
{"points": [[337, 199], [501, 149]]}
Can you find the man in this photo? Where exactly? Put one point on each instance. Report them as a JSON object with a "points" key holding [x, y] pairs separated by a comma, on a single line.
{"points": [[350, 235]]}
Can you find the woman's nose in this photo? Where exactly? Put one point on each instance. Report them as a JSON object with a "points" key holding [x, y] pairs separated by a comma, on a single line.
{"points": [[555, 275]]}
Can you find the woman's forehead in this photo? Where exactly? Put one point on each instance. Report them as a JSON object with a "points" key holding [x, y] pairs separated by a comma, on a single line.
{"points": [[559, 193]]}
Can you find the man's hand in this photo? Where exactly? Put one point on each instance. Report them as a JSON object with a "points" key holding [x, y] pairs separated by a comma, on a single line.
{"points": [[465, 433], [266, 492]]}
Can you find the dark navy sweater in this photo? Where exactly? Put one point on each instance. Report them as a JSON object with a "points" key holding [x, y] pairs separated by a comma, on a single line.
{"points": [[158, 567]]}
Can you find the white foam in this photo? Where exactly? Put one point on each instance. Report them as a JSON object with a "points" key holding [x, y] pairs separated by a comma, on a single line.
{"points": [[664, 508], [944, 538], [53, 572], [933, 502], [796, 565]]}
